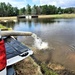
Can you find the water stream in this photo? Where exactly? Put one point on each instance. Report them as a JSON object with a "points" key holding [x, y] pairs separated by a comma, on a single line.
{"points": [[39, 44]]}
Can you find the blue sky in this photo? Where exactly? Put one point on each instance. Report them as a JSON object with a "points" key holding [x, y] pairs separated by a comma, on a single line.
{"points": [[23, 3]]}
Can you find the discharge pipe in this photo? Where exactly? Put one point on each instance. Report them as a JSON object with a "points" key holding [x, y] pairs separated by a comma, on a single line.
{"points": [[37, 41], [15, 33]]}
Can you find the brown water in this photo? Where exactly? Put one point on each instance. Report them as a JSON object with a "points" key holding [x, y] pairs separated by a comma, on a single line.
{"points": [[60, 35]]}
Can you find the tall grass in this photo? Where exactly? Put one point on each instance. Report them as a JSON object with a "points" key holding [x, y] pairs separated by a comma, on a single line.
{"points": [[57, 16], [4, 27], [46, 71]]}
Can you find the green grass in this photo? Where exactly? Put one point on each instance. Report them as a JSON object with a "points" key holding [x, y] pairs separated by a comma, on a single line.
{"points": [[1, 26], [46, 71], [8, 18], [57, 16], [4, 27]]}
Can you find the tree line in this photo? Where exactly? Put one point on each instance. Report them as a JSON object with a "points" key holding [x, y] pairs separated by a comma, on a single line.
{"points": [[9, 10]]}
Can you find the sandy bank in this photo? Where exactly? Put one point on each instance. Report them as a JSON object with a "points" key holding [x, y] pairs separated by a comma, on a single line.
{"points": [[6, 19]]}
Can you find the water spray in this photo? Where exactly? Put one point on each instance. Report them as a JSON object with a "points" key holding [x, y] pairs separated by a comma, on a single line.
{"points": [[38, 43]]}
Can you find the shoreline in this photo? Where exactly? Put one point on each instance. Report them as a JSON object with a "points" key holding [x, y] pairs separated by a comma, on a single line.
{"points": [[13, 18], [50, 68], [57, 16], [8, 19]]}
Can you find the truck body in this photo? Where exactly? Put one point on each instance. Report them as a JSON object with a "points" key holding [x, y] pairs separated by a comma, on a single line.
{"points": [[15, 52]]}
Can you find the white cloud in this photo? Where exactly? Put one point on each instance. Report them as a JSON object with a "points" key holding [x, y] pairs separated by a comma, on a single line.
{"points": [[37, 2], [23, 3], [61, 3], [16, 3], [34, 0]]}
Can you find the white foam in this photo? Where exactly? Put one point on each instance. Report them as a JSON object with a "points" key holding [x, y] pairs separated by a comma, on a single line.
{"points": [[38, 43]]}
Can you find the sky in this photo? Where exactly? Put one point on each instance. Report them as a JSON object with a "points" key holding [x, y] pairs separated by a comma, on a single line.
{"points": [[57, 3]]}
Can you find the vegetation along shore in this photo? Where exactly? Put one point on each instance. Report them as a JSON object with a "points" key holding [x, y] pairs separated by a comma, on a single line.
{"points": [[57, 16], [5, 19], [9, 10]]}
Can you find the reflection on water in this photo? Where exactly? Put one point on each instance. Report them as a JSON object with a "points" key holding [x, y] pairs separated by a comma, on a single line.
{"points": [[8, 24], [60, 35]]}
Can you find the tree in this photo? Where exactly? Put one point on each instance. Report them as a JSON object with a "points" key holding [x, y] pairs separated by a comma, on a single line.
{"points": [[59, 10], [44, 9], [35, 10], [28, 10], [69, 10], [3, 9], [15, 11], [22, 11], [52, 9], [9, 10], [48, 9]]}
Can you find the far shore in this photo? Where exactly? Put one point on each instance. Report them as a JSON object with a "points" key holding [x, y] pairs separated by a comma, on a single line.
{"points": [[8, 18], [13, 18], [57, 16], [5, 19]]}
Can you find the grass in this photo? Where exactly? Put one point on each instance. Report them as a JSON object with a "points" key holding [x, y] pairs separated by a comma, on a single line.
{"points": [[8, 18], [27, 67], [4, 27], [57, 16], [46, 71], [41, 16], [1, 26]]}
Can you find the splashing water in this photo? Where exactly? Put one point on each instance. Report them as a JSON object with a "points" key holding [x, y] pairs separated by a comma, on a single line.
{"points": [[38, 43]]}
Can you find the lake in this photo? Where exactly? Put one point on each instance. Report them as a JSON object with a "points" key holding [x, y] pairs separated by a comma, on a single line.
{"points": [[60, 35]]}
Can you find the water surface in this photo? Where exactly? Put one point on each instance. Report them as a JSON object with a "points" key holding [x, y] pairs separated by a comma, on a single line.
{"points": [[60, 35]]}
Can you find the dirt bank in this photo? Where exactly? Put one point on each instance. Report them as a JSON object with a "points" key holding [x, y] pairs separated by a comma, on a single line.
{"points": [[27, 67]]}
